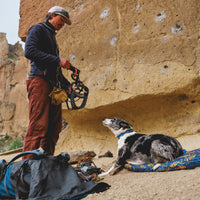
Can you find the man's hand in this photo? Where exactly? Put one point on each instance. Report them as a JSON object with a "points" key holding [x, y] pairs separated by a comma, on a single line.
{"points": [[65, 63]]}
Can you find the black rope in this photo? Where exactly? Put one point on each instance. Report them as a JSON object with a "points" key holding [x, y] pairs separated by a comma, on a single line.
{"points": [[80, 92]]}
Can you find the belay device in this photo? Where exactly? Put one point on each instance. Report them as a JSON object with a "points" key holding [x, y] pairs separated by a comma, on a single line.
{"points": [[79, 95]]}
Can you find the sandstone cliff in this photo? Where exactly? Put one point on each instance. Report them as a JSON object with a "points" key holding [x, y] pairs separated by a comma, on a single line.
{"points": [[13, 97], [140, 60]]}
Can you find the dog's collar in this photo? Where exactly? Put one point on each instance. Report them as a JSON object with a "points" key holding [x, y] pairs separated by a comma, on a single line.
{"points": [[122, 134]]}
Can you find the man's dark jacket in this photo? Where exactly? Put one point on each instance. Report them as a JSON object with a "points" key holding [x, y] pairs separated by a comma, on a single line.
{"points": [[42, 50]]}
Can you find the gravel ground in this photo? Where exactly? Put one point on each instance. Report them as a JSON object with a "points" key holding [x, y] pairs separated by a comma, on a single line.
{"points": [[128, 185]]}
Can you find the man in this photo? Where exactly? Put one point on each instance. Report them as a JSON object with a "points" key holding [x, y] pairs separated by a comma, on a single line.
{"points": [[42, 51]]}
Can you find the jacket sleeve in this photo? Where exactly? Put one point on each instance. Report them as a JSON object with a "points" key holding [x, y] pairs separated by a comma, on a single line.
{"points": [[33, 50]]}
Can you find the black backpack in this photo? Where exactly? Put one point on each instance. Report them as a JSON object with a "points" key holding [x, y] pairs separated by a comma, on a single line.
{"points": [[44, 177]]}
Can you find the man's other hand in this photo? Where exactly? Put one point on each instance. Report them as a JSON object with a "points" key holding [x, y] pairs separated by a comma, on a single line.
{"points": [[65, 63]]}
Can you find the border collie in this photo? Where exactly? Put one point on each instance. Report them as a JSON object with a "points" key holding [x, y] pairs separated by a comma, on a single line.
{"points": [[137, 148]]}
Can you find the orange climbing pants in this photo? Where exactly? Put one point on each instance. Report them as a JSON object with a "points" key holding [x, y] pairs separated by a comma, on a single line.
{"points": [[45, 120]]}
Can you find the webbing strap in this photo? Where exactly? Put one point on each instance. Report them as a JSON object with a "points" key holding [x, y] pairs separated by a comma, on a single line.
{"points": [[5, 187]]}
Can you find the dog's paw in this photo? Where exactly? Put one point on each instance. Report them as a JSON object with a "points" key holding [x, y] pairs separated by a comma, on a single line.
{"points": [[116, 170], [103, 174]]}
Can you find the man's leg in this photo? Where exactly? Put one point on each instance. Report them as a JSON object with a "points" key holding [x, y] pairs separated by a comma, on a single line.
{"points": [[38, 91], [55, 126]]}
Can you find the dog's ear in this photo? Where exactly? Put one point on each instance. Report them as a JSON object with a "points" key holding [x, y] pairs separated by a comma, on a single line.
{"points": [[125, 125]]}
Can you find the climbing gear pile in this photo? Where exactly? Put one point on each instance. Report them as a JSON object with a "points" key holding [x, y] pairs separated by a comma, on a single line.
{"points": [[87, 170]]}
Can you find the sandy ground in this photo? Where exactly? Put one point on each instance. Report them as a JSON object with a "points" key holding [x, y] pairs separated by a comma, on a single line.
{"points": [[128, 185]]}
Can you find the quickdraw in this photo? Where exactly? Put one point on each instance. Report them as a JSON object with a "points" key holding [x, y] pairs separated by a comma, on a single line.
{"points": [[78, 98]]}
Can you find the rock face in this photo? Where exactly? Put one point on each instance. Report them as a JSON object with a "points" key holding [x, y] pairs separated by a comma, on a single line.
{"points": [[13, 97], [140, 60]]}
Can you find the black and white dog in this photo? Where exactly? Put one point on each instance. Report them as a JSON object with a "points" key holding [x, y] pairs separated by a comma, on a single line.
{"points": [[140, 148]]}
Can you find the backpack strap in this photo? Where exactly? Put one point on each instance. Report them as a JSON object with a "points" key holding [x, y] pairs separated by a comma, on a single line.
{"points": [[38, 152]]}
